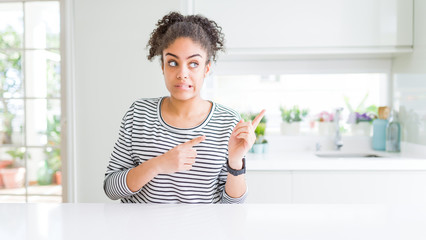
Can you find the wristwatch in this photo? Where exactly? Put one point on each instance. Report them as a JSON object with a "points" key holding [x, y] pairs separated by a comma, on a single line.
{"points": [[236, 172]]}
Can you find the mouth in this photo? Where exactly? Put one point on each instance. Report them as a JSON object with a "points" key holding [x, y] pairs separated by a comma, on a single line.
{"points": [[183, 86]]}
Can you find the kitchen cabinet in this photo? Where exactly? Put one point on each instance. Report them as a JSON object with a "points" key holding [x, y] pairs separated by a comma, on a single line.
{"points": [[285, 176], [359, 187], [328, 187], [269, 186], [312, 26]]}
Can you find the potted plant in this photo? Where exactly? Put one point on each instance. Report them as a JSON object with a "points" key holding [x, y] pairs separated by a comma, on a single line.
{"points": [[54, 163], [3, 164], [50, 171], [13, 175], [9, 82], [361, 123], [44, 174], [261, 144], [325, 123], [291, 119], [361, 118]]}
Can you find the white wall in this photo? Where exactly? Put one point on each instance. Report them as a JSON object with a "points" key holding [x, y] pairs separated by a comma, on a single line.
{"points": [[111, 71], [415, 62], [409, 73]]}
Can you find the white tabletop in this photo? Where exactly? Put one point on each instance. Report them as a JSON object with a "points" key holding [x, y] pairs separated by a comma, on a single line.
{"points": [[248, 221]]}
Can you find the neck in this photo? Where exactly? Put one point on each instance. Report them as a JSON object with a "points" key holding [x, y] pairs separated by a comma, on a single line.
{"points": [[184, 108]]}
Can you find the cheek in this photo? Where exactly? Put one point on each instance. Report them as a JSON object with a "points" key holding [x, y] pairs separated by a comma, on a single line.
{"points": [[168, 77], [201, 72], [200, 81], [199, 77]]}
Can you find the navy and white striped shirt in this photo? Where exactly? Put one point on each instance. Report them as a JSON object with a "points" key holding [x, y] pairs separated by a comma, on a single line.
{"points": [[144, 135]]}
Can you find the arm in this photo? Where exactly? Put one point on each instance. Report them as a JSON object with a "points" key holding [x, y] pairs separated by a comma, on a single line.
{"points": [[240, 141], [139, 176], [121, 161], [236, 186], [125, 177], [179, 158], [234, 189]]}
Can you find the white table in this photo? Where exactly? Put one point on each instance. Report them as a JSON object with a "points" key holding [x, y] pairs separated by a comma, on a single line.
{"points": [[249, 221]]}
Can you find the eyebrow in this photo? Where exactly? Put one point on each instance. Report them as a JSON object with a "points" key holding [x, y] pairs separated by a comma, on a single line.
{"points": [[195, 55]]}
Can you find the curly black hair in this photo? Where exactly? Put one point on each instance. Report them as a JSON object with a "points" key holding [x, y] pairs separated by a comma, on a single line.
{"points": [[174, 25]]}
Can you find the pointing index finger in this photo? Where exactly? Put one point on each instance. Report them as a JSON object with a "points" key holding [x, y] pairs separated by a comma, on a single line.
{"points": [[195, 141], [257, 119]]}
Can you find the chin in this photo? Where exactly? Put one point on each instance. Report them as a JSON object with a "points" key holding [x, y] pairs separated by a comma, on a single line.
{"points": [[184, 96]]}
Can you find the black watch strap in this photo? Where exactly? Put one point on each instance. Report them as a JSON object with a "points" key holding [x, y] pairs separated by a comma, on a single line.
{"points": [[236, 172]]}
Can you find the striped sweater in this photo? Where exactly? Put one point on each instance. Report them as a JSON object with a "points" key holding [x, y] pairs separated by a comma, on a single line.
{"points": [[144, 135]]}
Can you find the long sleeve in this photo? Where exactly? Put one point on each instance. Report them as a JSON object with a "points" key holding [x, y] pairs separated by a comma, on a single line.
{"points": [[121, 161], [225, 198], [144, 135]]}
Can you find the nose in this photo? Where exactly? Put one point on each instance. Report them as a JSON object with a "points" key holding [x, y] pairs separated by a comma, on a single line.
{"points": [[183, 72]]}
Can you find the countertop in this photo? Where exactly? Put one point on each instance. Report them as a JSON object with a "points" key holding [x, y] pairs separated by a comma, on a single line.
{"points": [[247, 221], [300, 161], [298, 153]]}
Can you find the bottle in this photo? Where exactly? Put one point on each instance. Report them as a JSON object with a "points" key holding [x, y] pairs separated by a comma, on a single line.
{"points": [[379, 129], [379, 134], [393, 133]]}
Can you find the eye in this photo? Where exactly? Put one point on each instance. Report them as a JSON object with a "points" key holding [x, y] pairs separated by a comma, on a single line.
{"points": [[172, 63], [193, 64]]}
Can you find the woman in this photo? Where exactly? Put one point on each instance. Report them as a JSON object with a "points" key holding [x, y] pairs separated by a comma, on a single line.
{"points": [[181, 148]]}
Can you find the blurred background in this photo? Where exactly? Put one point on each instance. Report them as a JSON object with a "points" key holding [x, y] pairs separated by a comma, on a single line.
{"points": [[70, 69]]}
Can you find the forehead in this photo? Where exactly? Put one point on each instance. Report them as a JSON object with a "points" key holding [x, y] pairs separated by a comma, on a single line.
{"points": [[185, 47]]}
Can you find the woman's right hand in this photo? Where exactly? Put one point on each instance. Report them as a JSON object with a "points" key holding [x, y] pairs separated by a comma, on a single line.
{"points": [[179, 158]]}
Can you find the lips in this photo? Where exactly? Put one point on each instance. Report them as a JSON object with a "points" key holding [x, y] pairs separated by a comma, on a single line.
{"points": [[183, 86]]}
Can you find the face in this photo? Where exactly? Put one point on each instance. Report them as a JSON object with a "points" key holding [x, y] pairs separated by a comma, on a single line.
{"points": [[184, 68]]}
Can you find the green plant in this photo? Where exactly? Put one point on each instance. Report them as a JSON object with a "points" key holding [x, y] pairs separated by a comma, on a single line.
{"points": [[260, 132], [249, 116], [17, 155], [293, 114], [7, 122], [53, 151], [10, 83], [371, 109], [261, 127], [54, 159]]}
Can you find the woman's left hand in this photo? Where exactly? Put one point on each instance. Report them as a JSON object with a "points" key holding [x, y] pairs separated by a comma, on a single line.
{"points": [[241, 140]]}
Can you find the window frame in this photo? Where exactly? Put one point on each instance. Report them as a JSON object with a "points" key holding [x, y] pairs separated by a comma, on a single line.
{"points": [[64, 18]]}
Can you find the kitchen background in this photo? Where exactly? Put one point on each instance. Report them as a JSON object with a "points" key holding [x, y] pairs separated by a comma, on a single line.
{"points": [[279, 53]]}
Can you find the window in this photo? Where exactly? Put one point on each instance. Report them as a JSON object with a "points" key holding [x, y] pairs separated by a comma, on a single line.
{"points": [[314, 90], [30, 102]]}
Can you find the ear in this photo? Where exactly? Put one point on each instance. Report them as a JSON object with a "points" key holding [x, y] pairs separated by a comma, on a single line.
{"points": [[162, 66], [162, 63], [207, 68]]}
